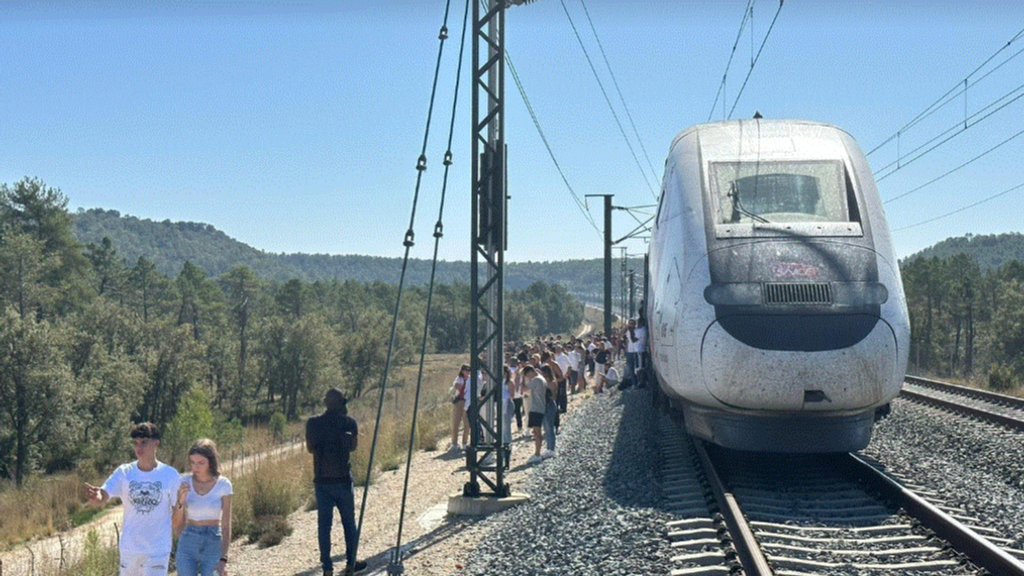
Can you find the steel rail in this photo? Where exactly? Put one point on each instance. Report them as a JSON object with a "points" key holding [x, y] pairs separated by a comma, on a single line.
{"points": [[1003, 419], [980, 550], [748, 550], [993, 397]]}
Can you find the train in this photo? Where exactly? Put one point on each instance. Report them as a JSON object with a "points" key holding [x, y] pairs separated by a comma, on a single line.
{"points": [[776, 316]]}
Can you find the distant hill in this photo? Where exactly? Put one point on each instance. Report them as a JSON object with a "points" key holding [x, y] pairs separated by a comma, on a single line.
{"points": [[990, 251], [170, 244]]}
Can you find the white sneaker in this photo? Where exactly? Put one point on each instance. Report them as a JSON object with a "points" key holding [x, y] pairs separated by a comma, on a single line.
{"points": [[548, 454], [533, 459]]}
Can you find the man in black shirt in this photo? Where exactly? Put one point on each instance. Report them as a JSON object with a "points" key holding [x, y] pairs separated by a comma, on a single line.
{"points": [[331, 437]]}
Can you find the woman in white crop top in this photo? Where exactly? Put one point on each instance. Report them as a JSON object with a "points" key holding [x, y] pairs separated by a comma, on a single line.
{"points": [[204, 511]]}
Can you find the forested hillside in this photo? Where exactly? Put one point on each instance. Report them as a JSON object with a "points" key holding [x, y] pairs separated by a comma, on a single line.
{"points": [[966, 321], [91, 340], [990, 251], [168, 245]]}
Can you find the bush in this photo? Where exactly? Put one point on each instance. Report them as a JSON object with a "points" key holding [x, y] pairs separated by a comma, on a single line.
{"points": [[278, 423], [271, 530], [264, 499], [1002, 378]]}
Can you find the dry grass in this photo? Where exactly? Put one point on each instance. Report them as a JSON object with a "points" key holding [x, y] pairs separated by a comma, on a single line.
{"points": [[264, 486], [94, 559], [42, 507], [264, 499], [432, 423]]}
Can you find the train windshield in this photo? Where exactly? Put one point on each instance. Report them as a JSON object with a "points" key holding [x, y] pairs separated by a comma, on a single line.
{"points": [[780, 192]]}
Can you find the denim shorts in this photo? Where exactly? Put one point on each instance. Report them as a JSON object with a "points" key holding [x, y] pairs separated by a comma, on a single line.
{"points": [[199, 551]]}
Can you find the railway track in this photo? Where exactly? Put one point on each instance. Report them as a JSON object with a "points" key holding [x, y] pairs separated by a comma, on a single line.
{"points": [[798, 515], [1007, 411]]}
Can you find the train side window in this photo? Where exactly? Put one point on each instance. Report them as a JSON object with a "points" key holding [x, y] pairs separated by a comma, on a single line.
{"points": [[851, 199], [666, 206]]}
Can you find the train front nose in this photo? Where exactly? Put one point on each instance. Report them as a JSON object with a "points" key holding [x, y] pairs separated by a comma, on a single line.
{"points": [[798, 362]]}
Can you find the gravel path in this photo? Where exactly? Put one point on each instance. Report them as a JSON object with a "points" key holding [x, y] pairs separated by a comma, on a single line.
{"points": [[594, 508]]}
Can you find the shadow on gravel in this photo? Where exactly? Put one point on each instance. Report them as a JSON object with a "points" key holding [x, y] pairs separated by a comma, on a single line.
{"points": [[632, 476], [378, 563]]}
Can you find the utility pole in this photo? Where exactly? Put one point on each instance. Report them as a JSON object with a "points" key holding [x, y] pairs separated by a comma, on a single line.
{"points": [[632, 304], [607, 260]]}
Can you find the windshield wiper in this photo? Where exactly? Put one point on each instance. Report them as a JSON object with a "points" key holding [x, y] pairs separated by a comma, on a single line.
{"points": [[737, 206]]}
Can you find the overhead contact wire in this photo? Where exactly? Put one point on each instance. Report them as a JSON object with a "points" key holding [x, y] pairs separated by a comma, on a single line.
{"points": [[953, 92], [948, 172], [438, 234], [619, 91], [958, 210], [608, 100], [754, 61], [421, 167], [721, 87], [547, 145], [952, 136]]}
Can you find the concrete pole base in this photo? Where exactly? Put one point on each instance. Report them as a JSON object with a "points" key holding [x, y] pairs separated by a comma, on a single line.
{"points": [[460, 505]]}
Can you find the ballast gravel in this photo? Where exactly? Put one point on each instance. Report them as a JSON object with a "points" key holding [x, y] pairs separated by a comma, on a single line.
{"points": [[595, 508], [973, 466]]}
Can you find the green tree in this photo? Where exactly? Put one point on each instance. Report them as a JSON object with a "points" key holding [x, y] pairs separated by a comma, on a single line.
{"points": [[34, 385], [109, 268], [30, 207], [192, 420], [23, 270]]}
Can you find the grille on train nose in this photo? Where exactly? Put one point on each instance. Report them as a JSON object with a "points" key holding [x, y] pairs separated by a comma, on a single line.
{"points": [[785, 293]]}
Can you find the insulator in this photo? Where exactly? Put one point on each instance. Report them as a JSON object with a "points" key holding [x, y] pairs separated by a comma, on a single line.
{"points": [[421, 164], [409, 236], [444, 33], [438, 230], [448, 158]]}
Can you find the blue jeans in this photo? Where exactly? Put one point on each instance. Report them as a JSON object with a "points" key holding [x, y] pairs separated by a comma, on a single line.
{"points": [[550, 413], [199, 551], [329, 497]]}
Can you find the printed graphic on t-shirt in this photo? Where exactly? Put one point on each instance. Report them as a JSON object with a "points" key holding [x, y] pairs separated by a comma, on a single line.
{"points": [[145, 496]]}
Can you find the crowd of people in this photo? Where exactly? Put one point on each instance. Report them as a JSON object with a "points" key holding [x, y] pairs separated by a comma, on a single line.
{"points": [[540, 375], [160, 504]]}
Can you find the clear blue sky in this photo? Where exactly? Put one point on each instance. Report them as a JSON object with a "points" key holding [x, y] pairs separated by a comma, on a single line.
{"points": [[295, 126]]}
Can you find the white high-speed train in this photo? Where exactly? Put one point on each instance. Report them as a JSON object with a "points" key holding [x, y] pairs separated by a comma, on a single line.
{"points": [[776, 315]]}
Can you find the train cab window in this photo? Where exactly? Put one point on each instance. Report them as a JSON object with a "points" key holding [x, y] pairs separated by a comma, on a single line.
{"points": [[758, 195]]}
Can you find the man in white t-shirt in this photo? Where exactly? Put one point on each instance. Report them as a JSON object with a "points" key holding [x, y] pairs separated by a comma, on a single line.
{"points": [[147, 489]]}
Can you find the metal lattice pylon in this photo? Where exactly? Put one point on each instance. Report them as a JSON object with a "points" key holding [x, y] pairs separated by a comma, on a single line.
{"points": [[484, 459]]}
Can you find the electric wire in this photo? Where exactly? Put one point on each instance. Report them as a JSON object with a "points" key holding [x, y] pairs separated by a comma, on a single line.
{"points": [[721, 87], [952, 92], [607, 99], [536, 123], [438, 234], [958, 210], [636, 133], [754, 61], [958, 131], [948, 172], [421, 167]]}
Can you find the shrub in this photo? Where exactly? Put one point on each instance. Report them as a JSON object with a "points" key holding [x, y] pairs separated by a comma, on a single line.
{"points": [[1002, 378], [278, 423]]}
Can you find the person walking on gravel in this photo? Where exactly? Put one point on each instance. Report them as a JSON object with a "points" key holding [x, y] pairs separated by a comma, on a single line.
{"points": [[147, 489], [331, 437]]}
